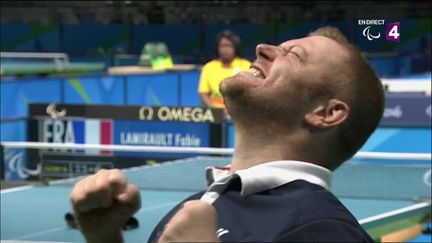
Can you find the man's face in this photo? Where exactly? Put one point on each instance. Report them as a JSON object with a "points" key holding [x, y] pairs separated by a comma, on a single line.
{"points": [[281, 78]]}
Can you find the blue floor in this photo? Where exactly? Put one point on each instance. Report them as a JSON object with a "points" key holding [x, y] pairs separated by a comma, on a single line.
{"points": [[37, 214]]}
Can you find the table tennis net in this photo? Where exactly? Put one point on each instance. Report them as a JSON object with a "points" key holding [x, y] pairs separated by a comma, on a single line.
{"points": [[34, 58], [368, 176]]}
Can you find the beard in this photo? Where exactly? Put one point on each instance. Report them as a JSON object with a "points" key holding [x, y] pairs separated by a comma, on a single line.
{"points": [[237, 98], [255, 105]]}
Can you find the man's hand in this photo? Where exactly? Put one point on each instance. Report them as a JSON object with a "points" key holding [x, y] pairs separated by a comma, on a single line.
{"points": [[102, 203], [195, 222]]}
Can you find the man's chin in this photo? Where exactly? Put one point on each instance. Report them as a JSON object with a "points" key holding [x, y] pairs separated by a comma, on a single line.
{"points": [[235, 86], [230, 88]]}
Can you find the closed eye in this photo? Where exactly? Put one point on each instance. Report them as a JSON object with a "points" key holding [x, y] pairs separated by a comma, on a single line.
{"points": [[295, 50], [295, 54], [289, 51]]}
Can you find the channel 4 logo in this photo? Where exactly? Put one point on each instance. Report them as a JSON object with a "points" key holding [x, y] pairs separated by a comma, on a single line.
{"points": [[373, 28], [393, 32]]}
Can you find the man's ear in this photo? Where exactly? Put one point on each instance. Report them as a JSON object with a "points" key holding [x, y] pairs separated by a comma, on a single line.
{"points": [[329, 115]]}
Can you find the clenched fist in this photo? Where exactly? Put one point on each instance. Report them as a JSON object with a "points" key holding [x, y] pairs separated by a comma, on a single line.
{"points": [[196, 221], [102, 203]]}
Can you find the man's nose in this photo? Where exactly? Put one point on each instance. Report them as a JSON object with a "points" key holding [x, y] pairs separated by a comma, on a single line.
{"points": [[267, 52]]}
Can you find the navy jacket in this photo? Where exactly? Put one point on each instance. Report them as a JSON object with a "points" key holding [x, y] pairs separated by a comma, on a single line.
{"points": [[295, 212]]}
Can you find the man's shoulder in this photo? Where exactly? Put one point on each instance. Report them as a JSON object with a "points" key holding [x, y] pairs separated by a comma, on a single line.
{"points": [[318, 212], [312, 198], [327, 230], [290, 211], [316, 204]]}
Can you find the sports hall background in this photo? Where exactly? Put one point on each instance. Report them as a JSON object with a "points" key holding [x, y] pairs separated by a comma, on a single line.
{"points": [[107, 92], [110, 34]]}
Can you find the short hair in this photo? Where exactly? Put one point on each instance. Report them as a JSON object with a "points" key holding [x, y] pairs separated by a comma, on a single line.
{"points": [[233, 37], [365, 96]]}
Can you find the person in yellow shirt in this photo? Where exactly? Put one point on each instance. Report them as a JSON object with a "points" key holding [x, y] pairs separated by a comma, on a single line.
{"points": [[227, 64]]}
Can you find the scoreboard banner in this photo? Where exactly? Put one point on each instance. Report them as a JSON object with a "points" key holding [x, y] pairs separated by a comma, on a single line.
{"points": [[123, 125], [124, 132], [126, 125], [143, 113]]}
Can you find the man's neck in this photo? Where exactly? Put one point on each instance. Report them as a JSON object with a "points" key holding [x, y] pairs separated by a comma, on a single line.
{"points": [[253, 147]]}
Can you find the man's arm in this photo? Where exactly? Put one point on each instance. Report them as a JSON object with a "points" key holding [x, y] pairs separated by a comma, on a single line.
{"points": [[196, 221], [159, 228], [102, 203]]}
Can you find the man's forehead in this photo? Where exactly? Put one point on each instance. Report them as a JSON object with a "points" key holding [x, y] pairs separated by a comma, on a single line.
{"points": [[310, 41], [317, 46], [292, 42]]}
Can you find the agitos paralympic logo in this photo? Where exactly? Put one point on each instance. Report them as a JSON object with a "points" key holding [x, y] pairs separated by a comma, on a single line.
{"points": [[373, 28]]}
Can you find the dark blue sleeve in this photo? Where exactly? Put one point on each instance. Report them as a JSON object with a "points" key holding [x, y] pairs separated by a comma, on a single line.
{"points": [[157, 231], [326, 231]]}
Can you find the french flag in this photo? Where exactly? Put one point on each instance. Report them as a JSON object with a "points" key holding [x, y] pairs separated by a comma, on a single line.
{"points": [[92, 131]]}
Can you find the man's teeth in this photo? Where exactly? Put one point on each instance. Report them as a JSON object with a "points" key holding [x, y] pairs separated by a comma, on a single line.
{"points": [[255, 72]]}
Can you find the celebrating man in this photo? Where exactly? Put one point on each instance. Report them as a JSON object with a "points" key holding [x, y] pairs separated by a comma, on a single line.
{"points": [[302, 109]]}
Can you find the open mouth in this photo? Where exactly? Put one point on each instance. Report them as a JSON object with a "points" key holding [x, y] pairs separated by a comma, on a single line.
{"points": [[256, 73]]}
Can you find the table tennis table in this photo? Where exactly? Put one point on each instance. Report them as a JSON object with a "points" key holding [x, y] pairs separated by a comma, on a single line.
{"points": [[36, 213], [49, 68]]}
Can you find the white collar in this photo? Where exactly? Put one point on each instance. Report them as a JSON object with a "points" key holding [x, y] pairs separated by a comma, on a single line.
{"points": [[272, 174]]}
